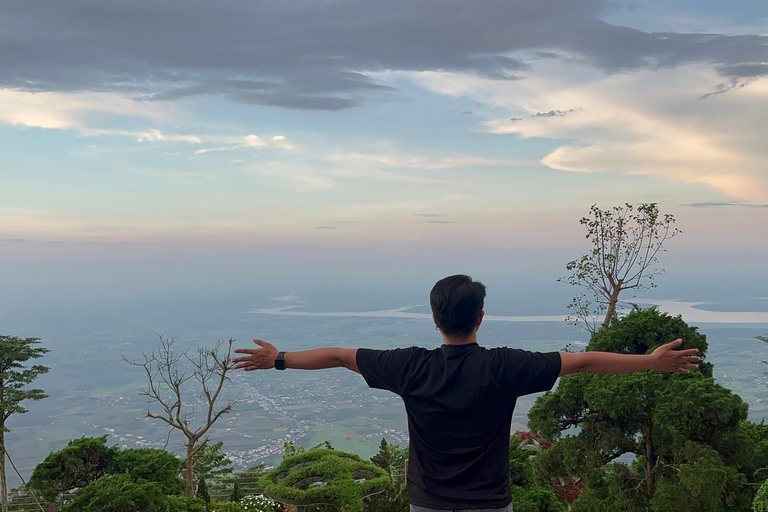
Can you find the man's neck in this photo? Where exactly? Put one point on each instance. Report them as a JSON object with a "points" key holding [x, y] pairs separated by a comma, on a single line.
{"points": [[454, 340]]}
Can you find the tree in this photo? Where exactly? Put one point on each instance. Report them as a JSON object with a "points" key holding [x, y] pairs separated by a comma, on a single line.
{"points": [[625, 243], [123, 493], [236, 495], [169, 373], [322, 476], [693, 447], [78, 464], [394, 498], [211, 462], [14, 352], [151, 465], [529, 494]]}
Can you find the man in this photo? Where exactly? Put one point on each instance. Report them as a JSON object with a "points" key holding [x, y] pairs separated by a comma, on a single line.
{"points": [[459, 398]]}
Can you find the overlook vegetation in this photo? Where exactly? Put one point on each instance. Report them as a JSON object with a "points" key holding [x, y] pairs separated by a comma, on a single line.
{"points": [[640, 442], [636, 442]]}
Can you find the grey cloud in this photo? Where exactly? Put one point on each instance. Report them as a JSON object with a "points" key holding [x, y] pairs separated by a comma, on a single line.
{"points": [[745, 70], [439, 222], [324, 227], [719, 204], [429, 214], [468, 112], [554, 113], [314, 55]]}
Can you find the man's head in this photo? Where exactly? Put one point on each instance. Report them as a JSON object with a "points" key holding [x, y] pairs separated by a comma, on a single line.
{"points": [[457, 305]]}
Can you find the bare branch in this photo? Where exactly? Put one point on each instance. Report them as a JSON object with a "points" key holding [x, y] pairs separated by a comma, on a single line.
{"points": [[169, 373]]}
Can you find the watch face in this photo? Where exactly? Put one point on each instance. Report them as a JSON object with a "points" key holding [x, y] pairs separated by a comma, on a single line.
{"points": [[280, 361]]}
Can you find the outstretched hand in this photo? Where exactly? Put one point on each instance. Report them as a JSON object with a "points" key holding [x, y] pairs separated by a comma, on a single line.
{"points": [[680, 361], [258, 358]]}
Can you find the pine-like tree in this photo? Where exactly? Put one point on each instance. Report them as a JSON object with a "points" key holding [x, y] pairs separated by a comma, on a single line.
{"points": [[689, 436], [14, 352]]}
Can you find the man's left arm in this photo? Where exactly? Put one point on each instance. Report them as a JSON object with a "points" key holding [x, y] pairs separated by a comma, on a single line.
{"points": [[664, 359], [316, 359]]}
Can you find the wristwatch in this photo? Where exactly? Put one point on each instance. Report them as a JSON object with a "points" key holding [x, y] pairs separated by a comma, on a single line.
{"points": [[280, 361]]}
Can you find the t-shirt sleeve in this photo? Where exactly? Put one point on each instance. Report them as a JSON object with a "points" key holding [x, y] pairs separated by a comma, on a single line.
{"points": [[531, 372], [385, 369]]}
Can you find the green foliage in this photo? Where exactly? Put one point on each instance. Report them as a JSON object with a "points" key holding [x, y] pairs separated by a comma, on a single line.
{"points": [[14, 352], [78, 464], [118, 493], [536, 498], [14, 375], [658, 417], [321, 475], [625, 243], [226, 506], [394, 497], [529, 494], [202, 492], [151, 464], [210, 462], [701, 480], [760, 504], [237, 495], [185, 504]]}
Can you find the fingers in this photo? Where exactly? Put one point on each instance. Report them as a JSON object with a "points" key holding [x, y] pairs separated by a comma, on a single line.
{"points": [[263, 344]]}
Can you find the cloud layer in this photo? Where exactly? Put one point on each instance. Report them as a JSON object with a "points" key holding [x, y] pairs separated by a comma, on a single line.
{"points": [[317, 55]]}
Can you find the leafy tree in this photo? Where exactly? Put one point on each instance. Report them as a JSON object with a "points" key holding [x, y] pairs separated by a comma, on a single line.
{"points": [[528, 493], [210, 462], [625, 243], [14, 375], [394, 497], [118, 493], [78, 464], [237, 495], [202, 492], [123, 493], [169, 373], [152, 465], [685, 431]]}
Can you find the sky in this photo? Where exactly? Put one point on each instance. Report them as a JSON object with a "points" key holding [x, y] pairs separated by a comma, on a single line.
{"points": [[154, 144]]}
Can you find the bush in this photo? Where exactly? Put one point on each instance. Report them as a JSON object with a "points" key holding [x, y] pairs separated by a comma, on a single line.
{"points": [[226, 506], [761, 500], [322, 475]]}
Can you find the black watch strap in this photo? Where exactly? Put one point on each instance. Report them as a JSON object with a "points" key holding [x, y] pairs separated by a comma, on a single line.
{"points": [[280, 361]]}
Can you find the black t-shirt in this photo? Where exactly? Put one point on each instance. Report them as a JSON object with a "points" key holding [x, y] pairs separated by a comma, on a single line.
{"points": [[459, 400]]}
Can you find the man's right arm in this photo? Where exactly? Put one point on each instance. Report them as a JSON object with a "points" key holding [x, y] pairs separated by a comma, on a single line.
{"points": [[316, 359], [663, 359]]}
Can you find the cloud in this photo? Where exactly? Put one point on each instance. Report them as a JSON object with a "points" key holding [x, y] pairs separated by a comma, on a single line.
{"points": [[321, 55], [720, 204], [651, 122], [54, 110], [396, 159]]}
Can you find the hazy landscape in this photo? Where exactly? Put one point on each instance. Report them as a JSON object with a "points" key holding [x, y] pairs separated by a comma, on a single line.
{"points": [[94, 392]]}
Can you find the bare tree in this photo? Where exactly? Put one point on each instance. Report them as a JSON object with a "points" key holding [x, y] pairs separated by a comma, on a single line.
{"points": [[169, 374], [625, 243]]}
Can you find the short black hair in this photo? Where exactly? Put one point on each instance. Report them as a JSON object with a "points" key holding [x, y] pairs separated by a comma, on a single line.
{"points": [[457, 302]]}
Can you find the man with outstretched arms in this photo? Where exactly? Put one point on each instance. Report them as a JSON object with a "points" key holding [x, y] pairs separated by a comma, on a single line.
{"points": [[459, 397]]}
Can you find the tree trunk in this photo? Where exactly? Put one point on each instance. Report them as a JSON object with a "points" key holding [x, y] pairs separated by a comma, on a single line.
{"points": [[650, 462], [189, 474], [3, 483], [612, 301]]}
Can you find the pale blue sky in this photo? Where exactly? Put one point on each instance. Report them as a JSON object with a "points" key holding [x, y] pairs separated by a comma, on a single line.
{"points": [[356, 132]]}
